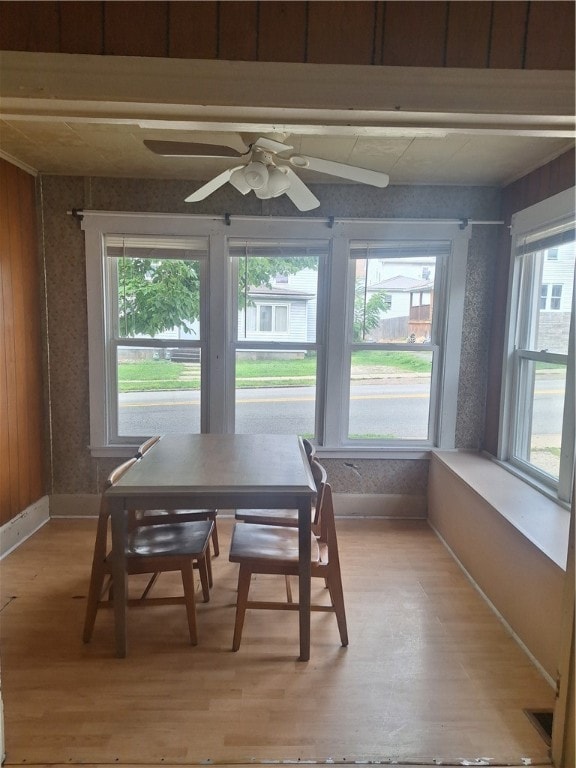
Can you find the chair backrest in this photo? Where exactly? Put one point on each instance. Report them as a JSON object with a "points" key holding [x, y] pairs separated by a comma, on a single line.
{"points": [[309, 448], [119, 471], [146, 445], [320, 479], [101, 543], [328, 525]]}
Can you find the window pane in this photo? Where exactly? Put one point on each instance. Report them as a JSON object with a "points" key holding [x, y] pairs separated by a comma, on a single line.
{"points": [[552, 280], [281, 320], [275, 392], [154, 286], [539, 432], [393, 297], [283, 288], [390, 395], [158, 390], [265, 318]]}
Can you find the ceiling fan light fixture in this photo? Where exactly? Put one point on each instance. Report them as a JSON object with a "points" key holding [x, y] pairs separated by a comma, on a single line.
{"points": [[256, 175], [278, 182]]}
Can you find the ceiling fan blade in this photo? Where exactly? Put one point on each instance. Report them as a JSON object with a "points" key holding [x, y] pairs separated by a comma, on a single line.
{"points": [[299, 193], [351, 172], [211, 186], [189, 149]]}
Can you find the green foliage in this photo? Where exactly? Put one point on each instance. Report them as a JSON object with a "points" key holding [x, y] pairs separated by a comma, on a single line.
{"points": [[367, 314], [258, 271], [156, 296]]}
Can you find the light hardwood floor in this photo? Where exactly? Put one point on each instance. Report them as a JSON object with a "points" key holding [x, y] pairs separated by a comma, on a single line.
{"points": [[430, 674]]}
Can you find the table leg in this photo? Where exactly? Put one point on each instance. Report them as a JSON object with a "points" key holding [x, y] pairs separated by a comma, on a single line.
{"points": [[305, 568], [119, 575]]}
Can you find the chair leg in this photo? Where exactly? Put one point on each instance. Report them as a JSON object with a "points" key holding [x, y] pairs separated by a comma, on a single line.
{"points": [[337, 597], [215, 542], [188, 584], [205, 575], [153, 580], [94, 592], [289, 598], [244, 578]]}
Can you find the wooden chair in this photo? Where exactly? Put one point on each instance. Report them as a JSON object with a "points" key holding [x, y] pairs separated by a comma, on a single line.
{"points": [[150, 549], [287, 517], [176, 515], [309, 448], [266, 549], [146, 445]]}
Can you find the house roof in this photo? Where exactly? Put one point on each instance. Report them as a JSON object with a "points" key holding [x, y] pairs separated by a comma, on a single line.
{"points": [[401, 284], [264, 290]]}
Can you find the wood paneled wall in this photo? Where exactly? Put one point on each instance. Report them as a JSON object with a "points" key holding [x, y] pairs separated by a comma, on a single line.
{"points": [[542, 183], [21, 397], [506, 35]]}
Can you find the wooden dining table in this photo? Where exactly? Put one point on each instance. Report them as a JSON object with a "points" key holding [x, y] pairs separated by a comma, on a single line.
{"points": [[215, 471]]}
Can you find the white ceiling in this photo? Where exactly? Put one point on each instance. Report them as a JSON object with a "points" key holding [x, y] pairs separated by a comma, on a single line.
{"points": [[88, 116]]}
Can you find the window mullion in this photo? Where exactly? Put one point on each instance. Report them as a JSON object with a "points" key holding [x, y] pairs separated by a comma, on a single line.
{"points": [[568, 445], [337, 369], [217, 386]]}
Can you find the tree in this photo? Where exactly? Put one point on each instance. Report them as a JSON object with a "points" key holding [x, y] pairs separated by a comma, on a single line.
{"points": [[367, 313], [157, 295], [258, 271]]}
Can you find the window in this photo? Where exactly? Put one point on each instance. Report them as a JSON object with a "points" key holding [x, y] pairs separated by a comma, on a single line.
{"points": [[393, 359], [348, 334], [276, 363], [538, 405], [153, 334]]}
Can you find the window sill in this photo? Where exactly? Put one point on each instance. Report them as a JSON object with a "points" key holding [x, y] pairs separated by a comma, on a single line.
{"points": [[544, 522]]}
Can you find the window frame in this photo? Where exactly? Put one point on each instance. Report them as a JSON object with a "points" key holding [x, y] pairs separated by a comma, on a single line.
{"points": [[333, 288], [554, 211]]}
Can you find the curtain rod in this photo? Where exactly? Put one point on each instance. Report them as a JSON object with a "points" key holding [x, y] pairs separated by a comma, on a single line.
{"points": [[463, 221]]}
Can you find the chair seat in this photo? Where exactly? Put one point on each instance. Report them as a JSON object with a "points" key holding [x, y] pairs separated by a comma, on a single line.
{"points": [[163, 540], [288, 517], [268, 543]]}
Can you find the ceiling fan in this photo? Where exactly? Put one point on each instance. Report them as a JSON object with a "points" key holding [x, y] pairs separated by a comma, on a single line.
{"points": [[266, 168]]}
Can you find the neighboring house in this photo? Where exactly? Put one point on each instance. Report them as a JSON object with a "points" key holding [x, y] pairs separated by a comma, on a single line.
{"points": [[283, 311], [410, 311], [556, 290]]}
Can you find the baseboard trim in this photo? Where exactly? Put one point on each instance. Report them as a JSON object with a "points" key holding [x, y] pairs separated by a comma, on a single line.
{"points": [[21, 527], [74, 505], [393, 505]]}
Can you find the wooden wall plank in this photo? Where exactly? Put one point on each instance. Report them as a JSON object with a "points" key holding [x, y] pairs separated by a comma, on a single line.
{"points": [[82, 28], [508, 34], [467, 40], [550, 36], [21, 391], [282, 31], [135, 29], [238, 31], [193, 30], [5, 321], [9, 339], [341, 32], [30, 26], [20, 280], [414, 34], [31, 343]]}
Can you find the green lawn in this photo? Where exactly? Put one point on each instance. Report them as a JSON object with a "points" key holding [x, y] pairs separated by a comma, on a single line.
{"points": [[151, 375]]}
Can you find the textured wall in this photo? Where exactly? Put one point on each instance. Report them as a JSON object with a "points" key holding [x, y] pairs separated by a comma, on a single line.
{"points": [[74, 470]]}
